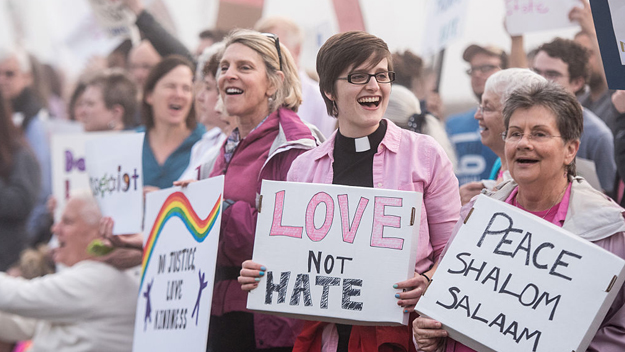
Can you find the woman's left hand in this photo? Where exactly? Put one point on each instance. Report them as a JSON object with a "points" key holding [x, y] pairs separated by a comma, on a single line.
{"points": [[413, 290], [134, 241]]}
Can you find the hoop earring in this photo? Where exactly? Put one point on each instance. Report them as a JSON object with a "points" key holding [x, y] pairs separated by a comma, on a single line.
{"points": [[111, 125]]}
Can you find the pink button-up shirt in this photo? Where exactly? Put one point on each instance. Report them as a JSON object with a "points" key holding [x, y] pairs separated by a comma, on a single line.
{"points": [[405, 161]]}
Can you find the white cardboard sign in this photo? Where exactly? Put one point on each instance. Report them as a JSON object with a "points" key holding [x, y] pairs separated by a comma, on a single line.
{"points": [[333, 253], [113, 16], [445, 23], [179, 255], [114, 165], [617, 11], [523, 16], [510, 281], [69, 170]]}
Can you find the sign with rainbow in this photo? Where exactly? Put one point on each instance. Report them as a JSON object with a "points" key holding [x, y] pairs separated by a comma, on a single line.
{"points": [[182, 233]]}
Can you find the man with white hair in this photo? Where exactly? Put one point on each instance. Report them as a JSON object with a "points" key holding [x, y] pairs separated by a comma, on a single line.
{"points": [[313, 108], [29, 116], [90, 306]]}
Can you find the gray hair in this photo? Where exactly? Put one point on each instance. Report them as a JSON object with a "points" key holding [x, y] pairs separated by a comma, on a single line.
{"points": [[401, 105], [89, 210], [205, 57], [504, 82], [294, 36], [20, 54], [564, 105]]}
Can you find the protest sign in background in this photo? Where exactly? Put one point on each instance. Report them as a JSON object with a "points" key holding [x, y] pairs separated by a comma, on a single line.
{"points": [[523, 16], [114, 165], [610, 27], [333, 253], [114, 17], [445, 23], [510, 281], [69, 171], [179, 255]]}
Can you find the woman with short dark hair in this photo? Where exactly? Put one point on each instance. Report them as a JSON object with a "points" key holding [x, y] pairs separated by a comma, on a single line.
{"points": [[355, 72]]}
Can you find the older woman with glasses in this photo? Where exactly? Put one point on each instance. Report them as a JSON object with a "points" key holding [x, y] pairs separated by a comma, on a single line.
{"points": [[543, 127], [355, 72], [259, 85], [489, 115]]}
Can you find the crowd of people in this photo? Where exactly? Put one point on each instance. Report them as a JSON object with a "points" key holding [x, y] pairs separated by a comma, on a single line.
{"points": [[240, 106]]}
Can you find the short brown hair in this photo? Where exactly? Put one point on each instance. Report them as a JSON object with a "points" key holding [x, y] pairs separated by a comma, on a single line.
{"points": [[161, 69], [344, 50], [117, 89], [564, 105], [407, 67], [573, 54]]}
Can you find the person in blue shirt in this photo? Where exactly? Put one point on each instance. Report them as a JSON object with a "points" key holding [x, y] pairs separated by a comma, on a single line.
{"points": [[171, 129], [475, 160]]}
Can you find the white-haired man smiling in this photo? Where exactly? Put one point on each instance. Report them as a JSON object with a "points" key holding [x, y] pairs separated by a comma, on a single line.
{"points": [[90, 306]]}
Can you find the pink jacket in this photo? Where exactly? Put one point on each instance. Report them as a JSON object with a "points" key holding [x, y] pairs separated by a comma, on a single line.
{"points": [[404, 161], [266, 153]]}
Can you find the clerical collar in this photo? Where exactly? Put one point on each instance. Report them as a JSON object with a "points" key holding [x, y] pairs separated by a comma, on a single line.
{"points": [[362, 144]]}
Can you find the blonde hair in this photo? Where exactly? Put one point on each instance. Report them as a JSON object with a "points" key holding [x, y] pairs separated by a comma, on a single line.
{"points": [[288, 92], [294, 35]]}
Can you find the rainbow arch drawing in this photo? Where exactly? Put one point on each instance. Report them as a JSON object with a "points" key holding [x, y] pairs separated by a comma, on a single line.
{"points": [[177, 205]]}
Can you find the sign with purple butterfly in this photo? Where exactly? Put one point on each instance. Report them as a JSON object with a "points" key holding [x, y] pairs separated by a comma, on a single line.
{"points": [[69, 171]]}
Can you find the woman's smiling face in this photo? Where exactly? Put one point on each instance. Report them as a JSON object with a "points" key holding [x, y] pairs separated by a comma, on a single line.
{"points": [[538, 161], [172, 96], [243, 83], [361, 107]]}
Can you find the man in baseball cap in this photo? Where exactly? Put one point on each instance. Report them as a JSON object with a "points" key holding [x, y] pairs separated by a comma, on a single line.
{"points": [[475, 160]]}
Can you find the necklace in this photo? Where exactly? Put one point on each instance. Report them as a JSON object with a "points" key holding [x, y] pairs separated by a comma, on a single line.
{"points": [[558, 199]]}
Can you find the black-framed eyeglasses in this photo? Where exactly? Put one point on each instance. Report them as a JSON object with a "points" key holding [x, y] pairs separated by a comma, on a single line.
{"points": [[481, 69], [276, 40], [363, 78]]}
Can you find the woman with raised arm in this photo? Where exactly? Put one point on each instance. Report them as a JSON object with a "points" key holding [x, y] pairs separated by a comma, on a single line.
{"points": [[356, 72]]}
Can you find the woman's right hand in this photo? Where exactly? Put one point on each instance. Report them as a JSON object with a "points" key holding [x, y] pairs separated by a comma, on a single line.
{"points": [[428, 333], [618, 99], [250, 275], [184, 183], [470, 190]]}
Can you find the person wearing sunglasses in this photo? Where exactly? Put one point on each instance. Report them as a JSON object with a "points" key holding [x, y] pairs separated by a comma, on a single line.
{"points": [[356, 71], [259, 85]]}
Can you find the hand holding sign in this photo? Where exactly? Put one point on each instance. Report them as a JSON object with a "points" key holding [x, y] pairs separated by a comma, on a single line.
{"points": [[317, 243], [583, 16], [428, 333], [250, 275], [618, 99], [413, 289]]}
